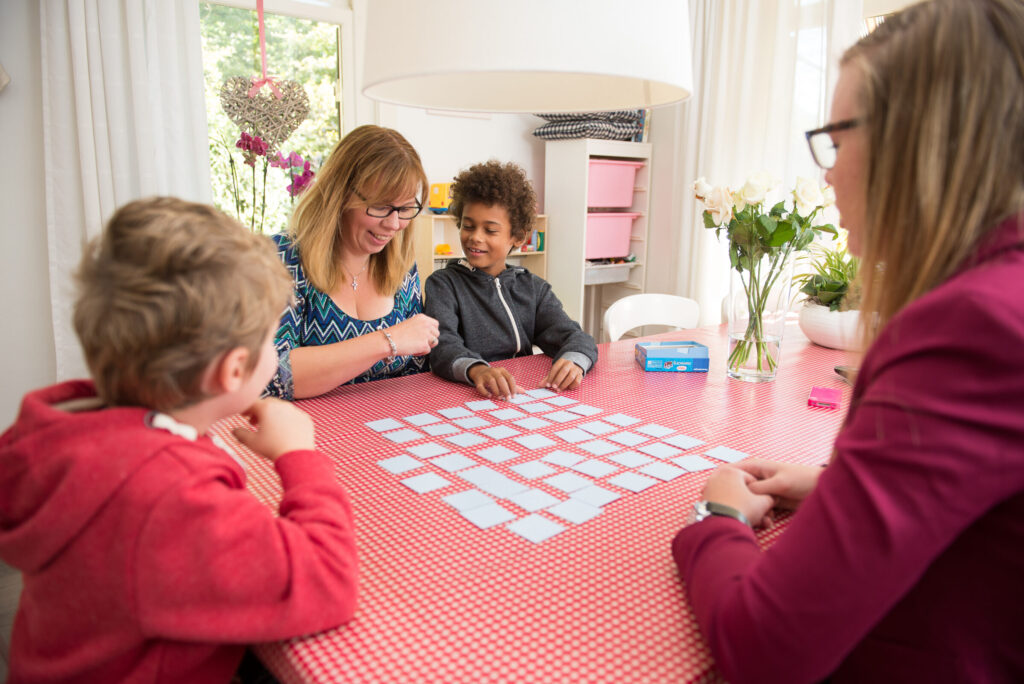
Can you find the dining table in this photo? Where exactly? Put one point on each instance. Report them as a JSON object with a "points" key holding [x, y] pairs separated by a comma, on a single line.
{"points": [[444, 599]]}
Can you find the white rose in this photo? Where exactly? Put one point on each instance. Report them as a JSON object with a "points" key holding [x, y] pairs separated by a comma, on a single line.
{"points": [[807, 195], [719, 203], [738, 201], [830, 195], [701, 189], [757, 187]]}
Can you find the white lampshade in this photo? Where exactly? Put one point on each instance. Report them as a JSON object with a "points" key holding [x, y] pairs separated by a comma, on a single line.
{"points": [[528, 55]]}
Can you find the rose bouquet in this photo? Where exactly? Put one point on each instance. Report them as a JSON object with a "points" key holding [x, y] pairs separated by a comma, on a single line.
{"points": [[761, 241]]}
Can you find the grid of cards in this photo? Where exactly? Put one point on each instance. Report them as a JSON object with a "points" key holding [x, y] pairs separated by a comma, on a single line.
{"points": [[489, 463]]}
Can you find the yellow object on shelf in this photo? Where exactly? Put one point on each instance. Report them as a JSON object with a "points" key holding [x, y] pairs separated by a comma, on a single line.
{"points": [[440, 197], [443, 249]]}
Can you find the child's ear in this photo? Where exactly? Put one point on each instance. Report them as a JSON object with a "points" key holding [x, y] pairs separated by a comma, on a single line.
{"points": [[518, 242], [229, 371]]}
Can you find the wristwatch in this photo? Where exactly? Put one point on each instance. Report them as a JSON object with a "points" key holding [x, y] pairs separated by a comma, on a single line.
{"points": [[703, 509]]}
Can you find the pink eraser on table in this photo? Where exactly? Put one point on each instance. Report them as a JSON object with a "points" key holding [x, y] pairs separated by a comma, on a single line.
{"points": [[826, 397]]}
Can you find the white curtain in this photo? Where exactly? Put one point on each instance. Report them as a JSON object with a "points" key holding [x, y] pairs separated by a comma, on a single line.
{"points": [[124, 117], [763, 74]]}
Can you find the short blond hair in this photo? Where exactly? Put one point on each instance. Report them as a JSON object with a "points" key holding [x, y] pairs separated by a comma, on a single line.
{"points": [[165, 290], [943, 105], [379, 164]]}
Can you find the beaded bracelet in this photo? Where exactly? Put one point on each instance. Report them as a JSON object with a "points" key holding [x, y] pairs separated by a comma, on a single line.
{"points": [[391, 343]]}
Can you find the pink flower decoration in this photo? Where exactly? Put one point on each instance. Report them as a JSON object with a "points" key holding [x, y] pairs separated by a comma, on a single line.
{"points": [[302, 181], [253, 146]]}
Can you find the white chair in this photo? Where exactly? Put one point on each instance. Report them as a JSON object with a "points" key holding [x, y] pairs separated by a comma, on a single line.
{"points": [[649, 309]]}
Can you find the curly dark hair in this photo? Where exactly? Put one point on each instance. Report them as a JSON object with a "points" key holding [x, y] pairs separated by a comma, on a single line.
{"points": [[495, 184]]}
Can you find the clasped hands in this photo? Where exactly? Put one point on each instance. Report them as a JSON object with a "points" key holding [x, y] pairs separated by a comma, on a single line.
{"points": [[498, 383], [757, 486]]}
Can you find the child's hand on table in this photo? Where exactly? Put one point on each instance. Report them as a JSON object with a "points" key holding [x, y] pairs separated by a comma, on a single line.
{"points": [[492, 382], [279, 428], [564, 375]]}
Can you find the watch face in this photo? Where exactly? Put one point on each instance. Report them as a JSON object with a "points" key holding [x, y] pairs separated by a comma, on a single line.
{"points": [[700, 511]]}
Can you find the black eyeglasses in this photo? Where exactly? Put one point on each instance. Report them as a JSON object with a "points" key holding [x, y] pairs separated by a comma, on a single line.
{"points": [[820, 141], [405, 213]]}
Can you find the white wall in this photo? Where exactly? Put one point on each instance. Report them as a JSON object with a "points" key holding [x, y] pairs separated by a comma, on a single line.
{"points": [[449, 142], [26, 343]]}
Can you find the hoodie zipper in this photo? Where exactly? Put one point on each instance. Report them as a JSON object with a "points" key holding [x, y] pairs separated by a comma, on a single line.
{"points": [[511, 318]]}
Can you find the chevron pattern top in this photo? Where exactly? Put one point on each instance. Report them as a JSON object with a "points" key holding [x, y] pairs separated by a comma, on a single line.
{"points": [[314, 319]]}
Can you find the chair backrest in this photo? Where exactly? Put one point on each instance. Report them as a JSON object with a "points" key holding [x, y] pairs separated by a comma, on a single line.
{"points": [[649, 309]]}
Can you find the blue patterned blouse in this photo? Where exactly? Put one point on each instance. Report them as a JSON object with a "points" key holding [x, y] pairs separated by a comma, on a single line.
{"points": [[315, 319]]}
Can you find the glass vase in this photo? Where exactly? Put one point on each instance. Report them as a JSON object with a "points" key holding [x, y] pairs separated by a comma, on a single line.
{"points": [[757, 307]]}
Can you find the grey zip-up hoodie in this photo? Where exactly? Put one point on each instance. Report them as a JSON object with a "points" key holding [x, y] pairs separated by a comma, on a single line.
{"points": [[487, 318]]}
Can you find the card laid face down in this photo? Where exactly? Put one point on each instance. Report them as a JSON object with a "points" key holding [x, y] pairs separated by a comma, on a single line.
{"points": [[537, 466]]}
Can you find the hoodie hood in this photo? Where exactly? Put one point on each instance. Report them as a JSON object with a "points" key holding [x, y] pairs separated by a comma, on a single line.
{"points": [[59, 466]]}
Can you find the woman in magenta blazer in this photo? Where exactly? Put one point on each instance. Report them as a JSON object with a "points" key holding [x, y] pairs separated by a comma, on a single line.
{"points": [[905, 559]]}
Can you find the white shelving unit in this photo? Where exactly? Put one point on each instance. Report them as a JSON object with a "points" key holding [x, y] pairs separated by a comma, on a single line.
{"points": [[587, 292], [435, 229]]}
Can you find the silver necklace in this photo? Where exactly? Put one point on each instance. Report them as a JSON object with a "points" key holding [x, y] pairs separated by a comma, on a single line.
{"points": [[355, 278]]}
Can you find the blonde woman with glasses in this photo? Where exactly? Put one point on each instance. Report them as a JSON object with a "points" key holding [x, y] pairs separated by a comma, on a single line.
{"points": [[904, 560], [358, 310]]}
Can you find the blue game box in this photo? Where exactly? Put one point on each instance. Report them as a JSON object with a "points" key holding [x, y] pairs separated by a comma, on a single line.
{"points": [[682, 357]]}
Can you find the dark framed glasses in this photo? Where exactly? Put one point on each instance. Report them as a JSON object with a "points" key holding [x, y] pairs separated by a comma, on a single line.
{"points": [[823, 150], [405, 213]]}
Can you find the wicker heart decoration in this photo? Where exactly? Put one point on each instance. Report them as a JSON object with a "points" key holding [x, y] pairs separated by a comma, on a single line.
{"points": [[271, 118]]}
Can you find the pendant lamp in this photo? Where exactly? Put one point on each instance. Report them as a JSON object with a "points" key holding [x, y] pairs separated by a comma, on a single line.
{"points": [[528, 55]]}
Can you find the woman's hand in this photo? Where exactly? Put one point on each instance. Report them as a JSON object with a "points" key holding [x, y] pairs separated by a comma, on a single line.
{"points": [[415, 336], [788, 483], [564, 375], [492, 382], [730, 486]]}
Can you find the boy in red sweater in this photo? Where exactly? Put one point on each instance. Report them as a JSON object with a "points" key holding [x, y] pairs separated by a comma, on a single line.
{"points": [[144, 557]]}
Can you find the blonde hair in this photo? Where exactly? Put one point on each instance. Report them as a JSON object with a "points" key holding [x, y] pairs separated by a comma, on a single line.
{"points": [[943, 97], [165, 290], [379, 164]]}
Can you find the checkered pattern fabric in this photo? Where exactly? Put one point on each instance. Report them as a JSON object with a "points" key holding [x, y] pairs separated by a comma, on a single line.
{"points": [[623, 116], [603, 130], [442, 600]]}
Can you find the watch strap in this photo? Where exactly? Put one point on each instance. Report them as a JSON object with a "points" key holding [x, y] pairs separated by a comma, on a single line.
{"points": [[705, 509]]}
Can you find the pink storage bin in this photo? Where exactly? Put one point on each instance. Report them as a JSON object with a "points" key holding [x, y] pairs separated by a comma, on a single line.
{"points": [[611, 182], [608, 234]]}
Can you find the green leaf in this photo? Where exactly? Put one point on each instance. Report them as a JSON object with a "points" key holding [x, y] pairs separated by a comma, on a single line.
{"points": [[708, 221], [783, 234], [768, 223], [778, 209], [740, 233]]}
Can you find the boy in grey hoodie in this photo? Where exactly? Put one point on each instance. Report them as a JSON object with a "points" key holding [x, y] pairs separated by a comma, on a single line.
{"points": [[489, 311]]}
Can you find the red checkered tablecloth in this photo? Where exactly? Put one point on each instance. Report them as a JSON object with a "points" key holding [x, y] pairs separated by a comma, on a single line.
{"points": [[444, 601]]}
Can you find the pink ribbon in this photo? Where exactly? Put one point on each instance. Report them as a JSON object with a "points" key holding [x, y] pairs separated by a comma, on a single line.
{"points": [[258, 83]]}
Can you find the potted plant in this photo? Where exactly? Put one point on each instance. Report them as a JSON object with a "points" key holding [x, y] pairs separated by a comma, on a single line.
{"points": [[830, 315]]}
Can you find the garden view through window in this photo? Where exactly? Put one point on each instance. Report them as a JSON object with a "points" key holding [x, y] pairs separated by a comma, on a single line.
{"points": [[298, 50]]}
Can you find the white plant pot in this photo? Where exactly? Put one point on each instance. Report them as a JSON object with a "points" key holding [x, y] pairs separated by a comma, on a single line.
{"points": [[833, 329]]}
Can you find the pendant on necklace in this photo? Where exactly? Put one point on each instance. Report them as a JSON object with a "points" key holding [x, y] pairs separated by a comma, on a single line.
{"points": [[355, 284]]}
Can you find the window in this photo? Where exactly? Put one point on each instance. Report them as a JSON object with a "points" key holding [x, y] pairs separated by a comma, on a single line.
{"points": [[304, 44]]}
